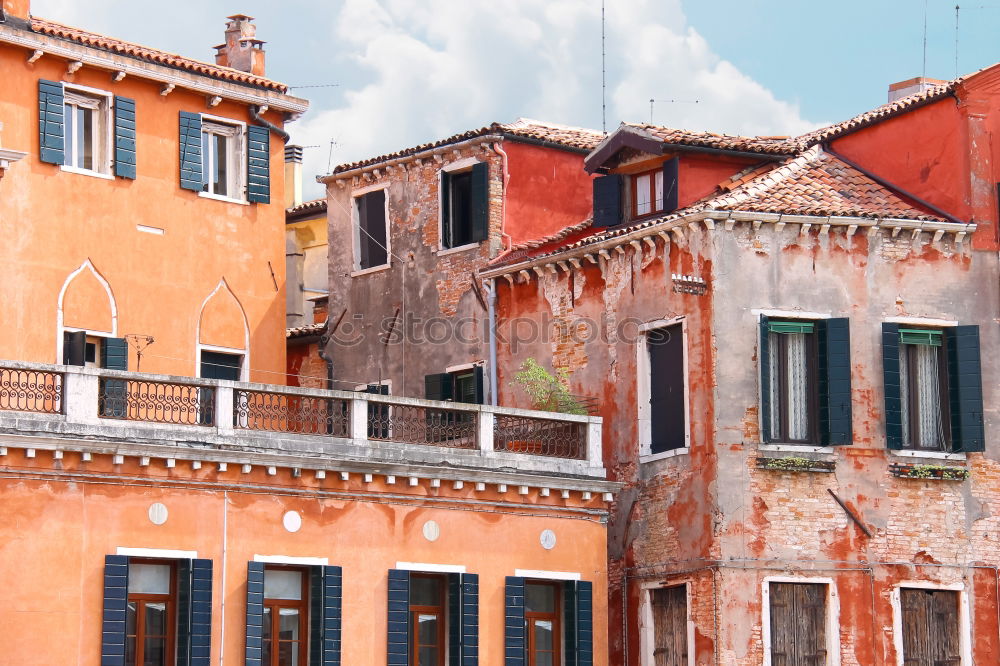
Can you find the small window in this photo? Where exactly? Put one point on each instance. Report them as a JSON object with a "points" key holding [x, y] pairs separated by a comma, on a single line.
{"points": [[150, 615], [372, 230], [930, 627], [798, 623], [87, 127], [670, 645], [283, 629], [667, 412], [793, 385], [542, 617], [923, 385], [427, 619], [92, 352], [221, 160], [459, 386], [647, 193], [219, 365], [464, 206]]}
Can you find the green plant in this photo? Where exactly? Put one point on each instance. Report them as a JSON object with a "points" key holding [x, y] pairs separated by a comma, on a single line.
{"points": [[547, 392], [790, 462], [937, 471]]}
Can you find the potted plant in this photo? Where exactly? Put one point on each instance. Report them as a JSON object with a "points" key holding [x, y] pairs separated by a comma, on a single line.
{"points": [[547, 392], [795, 464], [929, 472]]}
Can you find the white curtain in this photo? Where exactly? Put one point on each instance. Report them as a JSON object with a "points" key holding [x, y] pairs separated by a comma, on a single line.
{"points": [[798, 393], [927, 430], [774, 345]]}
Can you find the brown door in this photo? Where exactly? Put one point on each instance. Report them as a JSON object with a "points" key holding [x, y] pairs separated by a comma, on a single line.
{"points": [[670, 626], [798, 624], [930, 627]]}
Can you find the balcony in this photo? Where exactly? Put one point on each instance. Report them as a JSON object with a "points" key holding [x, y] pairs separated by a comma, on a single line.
{"points": [[186, 418]]}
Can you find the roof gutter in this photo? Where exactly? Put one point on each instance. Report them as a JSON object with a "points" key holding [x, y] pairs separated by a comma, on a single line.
{"points": [[684, 148], [516, 138], [255, 114], [430, 152]]}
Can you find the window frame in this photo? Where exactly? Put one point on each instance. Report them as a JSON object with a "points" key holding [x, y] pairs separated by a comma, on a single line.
{"points": [[912, 396], [457, 167], [634, 191], [556, 616], [833, 647], [356, 268], [647, 626], [780, 393], [236, 166], [171, 612], [101, 104], [644, 391], [302, 604], [414, 611], [244, 364], [964, 616]]}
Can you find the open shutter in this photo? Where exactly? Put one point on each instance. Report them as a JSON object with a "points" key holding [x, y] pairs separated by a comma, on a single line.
{"points": [[584, 623], [74, 348], [439, 387], [125, 137], [51, 134], [670, 184], [258, 164], [190, 151], [332, 613], [965, 388], [608, 201], [114, 354], [480, 196], [184, 612], [470, 620], [316, 614], [570, 628], [454, 619], [890, 382], [480, 397], [835, 381], [398, 641], [764, 362], [445, 178], [515, 642], [201, 612], [115, 600], [255, 613]]}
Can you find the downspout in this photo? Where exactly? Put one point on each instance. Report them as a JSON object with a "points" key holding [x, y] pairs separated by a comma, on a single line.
{"points": [[255, 114], [491, 301], [503, 213]]}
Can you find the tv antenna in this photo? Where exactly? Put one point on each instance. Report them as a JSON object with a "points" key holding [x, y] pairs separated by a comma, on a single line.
{"points": [[604, 78], [668, 101], [138, 341]]}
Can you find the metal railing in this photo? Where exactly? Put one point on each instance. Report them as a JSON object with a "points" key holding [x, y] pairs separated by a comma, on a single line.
{"points": [[283, 412], [451, 428], [540, 437], [31, 391], [156, 402]]}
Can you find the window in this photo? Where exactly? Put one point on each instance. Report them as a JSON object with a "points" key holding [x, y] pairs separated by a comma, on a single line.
{"points": [[150, 617], [86, 127], [378, 413], [433, 618], [427, 619], [665, 387], [219, 365], [221, 159], [669, 610], [464, 206], [805, 381], [798, 623], [647, 193], [372, 231], [461, 386], [542, 620], [283, 628], [549, 622], [930, 627], [923, 387]]}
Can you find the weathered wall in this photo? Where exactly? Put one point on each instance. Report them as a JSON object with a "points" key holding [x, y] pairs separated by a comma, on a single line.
{"points": [[307, 269]]}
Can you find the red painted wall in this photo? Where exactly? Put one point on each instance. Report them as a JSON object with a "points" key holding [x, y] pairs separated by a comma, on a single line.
{"points": [[700, 175]]}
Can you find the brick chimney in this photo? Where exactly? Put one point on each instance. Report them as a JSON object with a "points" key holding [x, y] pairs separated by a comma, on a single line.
{"points": [[911, 86], [293, 175], [241, 51], [18, 8]]}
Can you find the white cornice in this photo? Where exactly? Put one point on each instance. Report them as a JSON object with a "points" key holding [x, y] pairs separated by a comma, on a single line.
{"points": [[9, 156]]}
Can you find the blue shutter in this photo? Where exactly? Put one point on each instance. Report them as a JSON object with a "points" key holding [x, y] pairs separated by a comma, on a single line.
{"points": [[569, 618], [332, 612], [470, 620], [255, 613], [190, 151], [965, 388], [201, 612], [585, 623], [398, 640], [114, 354], [835, 382], [184, 612], [764, 363], [50, 122], [316, 614], [671, 183], [514, 639], [124, 137], [608, 201], [480, 195], [258, 164], [115, 600], [454, 619], [890, 382]]}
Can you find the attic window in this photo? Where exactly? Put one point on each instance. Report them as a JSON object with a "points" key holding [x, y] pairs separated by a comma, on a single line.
{"points": [[647, 193]]}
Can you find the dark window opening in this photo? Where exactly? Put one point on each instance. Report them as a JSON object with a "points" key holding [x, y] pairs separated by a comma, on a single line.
{"points": [[464, 212], [668, 418], [378, 413], [794, 386], [427, 620], [372, 242], [798, 623], [543, 622], [218, 365], [150, 613], [670, 645], [930, 627], [923, 385], [283, 629]]}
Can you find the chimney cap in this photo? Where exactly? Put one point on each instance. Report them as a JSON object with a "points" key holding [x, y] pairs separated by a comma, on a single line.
{"points": [[237, 17]]}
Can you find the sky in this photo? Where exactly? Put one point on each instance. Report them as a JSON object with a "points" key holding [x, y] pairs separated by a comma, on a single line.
{"points": [[384, 75]]}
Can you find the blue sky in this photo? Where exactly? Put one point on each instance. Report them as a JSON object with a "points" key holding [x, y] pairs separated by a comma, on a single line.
{"points": [[410, 71]]}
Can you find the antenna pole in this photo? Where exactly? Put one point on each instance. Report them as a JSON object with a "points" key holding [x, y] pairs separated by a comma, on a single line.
{"points": [[924, 69], [604, 77], [956, 41], [651, 111]]}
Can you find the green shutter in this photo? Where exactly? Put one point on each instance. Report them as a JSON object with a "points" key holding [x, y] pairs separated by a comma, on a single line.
{"points": [[439, 387], [190, 151], [764, 363], [125, 159], [258, 164], [570, 623], [791, 327], [114, 354], [454, 630], [201, 612], [74, 348], [480, 195], [254, 614], [835, 382], [480, 397], [115, 600], [919, 336], [51, 132], [965, 388], [470, 620], [333, 596], [398, 640], [890, 382], [184, 612], [514, 639], [607, 200], [585, 623]]}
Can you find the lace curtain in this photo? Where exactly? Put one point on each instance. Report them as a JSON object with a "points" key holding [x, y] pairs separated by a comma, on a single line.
{"points": [[926, 430], [794, 380]]}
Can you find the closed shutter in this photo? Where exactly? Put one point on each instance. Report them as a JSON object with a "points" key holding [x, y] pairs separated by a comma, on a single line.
{"points": [[965, 388], [201, 612], [764, 364], [333, 596], [125, 146], [585, 623], [372, 244], [315, 614], [671, 183], [470, 619], [514, 639], [439, 386], [835, 382], [51, 134], [480, 201], [255, 613], [115, 600], [890, 382], [190, 151], [74, 348], [454, 619], [258, 164], [184, 612], [608, 201], [398, 640], [114, 354], [570, 624]]}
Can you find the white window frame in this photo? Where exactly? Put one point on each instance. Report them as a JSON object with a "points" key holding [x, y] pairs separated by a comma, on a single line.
{"points": [[964, 615], [101, 103], [647, 637], [458, 166], [243, 353], [356, 231], [643, 382], [236, 168], [832, 615]]}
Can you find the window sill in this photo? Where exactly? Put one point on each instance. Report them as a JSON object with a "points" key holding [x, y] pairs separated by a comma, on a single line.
{"points": [[373, 269], [673, 453], [937, 455], [86, 172], [455, 250], [219, 197], [798, 448]]}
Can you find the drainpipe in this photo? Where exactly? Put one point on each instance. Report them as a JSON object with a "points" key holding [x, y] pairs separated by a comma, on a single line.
{"points": [[491, 301], [255, 112]]}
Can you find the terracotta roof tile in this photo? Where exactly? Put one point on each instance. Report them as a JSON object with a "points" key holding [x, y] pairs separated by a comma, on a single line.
{"points": [[314, 206], [753, 144], [120, 47], [305, 331]]}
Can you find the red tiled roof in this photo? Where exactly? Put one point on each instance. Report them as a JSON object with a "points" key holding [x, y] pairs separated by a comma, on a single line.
{"points": [[305, 331], [120, 47], [753, 144], [576, 138], [306, 207]]}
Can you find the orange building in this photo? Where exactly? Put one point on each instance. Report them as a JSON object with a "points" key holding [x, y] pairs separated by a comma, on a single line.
{"points": [[145, 211]]}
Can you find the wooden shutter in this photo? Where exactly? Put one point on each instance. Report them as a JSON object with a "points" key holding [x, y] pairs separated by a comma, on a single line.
{"points": [[470, 619], [439, 386], [445, 209], [51, 133], [514, 639], [835, 382], [115, 600], [371, 230], [965, 388], [764, 364], [670, 646], [125, 146], [315, 614], [930, 627], [608, 201], [325, 596], [184, 612], [798, 623], [114, 354], [569, 623], [585, 623], [190, 151], [255, 613], [454, 627], [480, 397], [201, 612], [258, 164], [74, 348], [671, 183], [890, 382], [398, 641], [668, 427], [479, 197]]}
